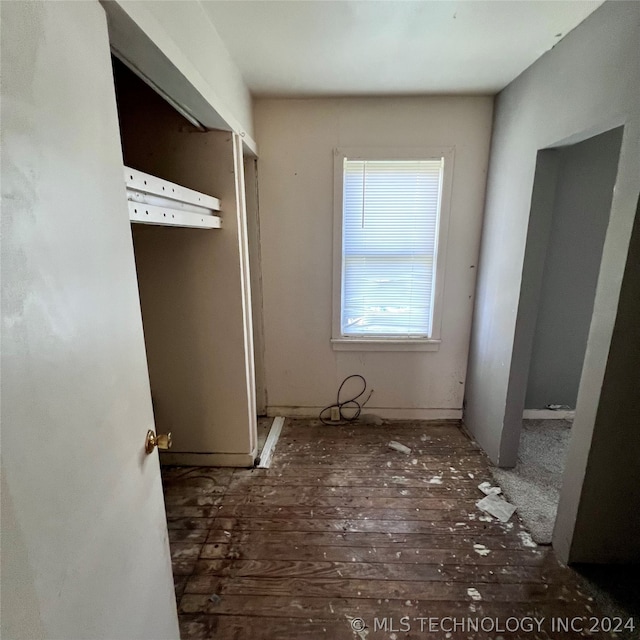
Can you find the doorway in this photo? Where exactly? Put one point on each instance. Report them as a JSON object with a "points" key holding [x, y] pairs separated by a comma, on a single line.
{"points": [[571, 202]]}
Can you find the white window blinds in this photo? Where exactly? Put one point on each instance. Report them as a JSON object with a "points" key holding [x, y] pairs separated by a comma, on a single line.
{"points": [[389, 244]]}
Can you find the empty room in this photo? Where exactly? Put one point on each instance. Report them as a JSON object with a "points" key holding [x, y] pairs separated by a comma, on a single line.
{"points": [[319, 319]]}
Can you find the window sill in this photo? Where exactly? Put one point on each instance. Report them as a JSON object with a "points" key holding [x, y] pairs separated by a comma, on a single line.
{"points": [[381, 344]]}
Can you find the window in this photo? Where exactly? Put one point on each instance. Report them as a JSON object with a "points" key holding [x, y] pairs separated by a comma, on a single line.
{"points": [[391, 214]]}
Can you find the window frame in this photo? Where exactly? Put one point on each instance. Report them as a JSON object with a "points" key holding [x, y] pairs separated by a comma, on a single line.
{"points": [[341, 342]]}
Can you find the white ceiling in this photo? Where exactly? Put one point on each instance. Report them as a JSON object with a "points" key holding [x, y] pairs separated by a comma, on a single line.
{"points": [[389, 47]]}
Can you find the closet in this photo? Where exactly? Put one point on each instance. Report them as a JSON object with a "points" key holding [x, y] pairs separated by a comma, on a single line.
{"points": [[192, 262]]}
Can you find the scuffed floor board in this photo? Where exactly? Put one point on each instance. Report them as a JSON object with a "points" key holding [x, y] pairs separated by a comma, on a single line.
{"points": [[342, 527]]}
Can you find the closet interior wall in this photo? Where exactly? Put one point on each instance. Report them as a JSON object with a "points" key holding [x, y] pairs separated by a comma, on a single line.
{"points": [[193, 285]]}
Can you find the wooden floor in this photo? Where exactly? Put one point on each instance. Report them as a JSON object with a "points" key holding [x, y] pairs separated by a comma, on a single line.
{"points": [[343, 533]]}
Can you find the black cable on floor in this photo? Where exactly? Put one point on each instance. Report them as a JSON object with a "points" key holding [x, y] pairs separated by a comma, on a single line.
{"points": [[351, 404]]}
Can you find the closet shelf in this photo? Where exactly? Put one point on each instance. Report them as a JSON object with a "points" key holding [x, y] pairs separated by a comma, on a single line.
{"points": [[155, 201]]}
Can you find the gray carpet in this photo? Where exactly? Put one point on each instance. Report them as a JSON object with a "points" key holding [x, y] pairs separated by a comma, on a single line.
{"points": [[533, 486]]}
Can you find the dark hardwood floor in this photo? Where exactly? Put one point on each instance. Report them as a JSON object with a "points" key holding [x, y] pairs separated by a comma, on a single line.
{"points": [[346, 538]]}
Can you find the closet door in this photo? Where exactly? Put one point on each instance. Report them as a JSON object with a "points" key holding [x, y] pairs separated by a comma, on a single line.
{"points": [[84, 536]]}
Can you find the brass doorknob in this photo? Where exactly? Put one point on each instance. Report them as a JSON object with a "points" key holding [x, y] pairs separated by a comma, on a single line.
{"points": [[162, 441]]}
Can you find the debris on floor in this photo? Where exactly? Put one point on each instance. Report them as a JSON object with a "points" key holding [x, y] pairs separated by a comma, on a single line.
{"points": [[397, 446], [497, 507], [488, 490], [527, 540], [474, 593], [265, 530], [481, 550]]}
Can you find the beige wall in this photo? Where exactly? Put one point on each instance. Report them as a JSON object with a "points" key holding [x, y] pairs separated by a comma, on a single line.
{"points": [[84, 537], [296, 140]]}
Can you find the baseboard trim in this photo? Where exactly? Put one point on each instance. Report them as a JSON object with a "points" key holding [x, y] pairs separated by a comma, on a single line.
{"points": [[383, 412], [242, 460], [548, 414]]}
